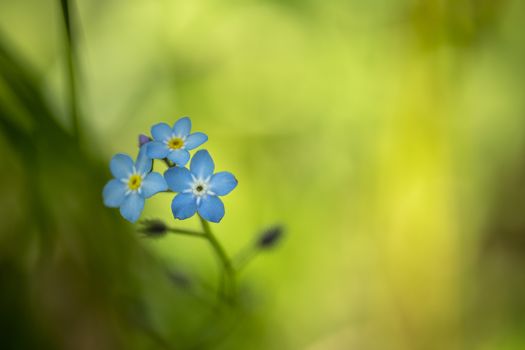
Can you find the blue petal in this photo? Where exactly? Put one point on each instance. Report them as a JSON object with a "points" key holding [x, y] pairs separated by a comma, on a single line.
{"points": [[222, 183], [161, 131], [202, 165], [153, 183], [143, 163], [132, 207], [183, 206], [179, 156], [114, 193], [121, 166], [157, 150], [182, 127], [178, 179], [211, 208], [195, 140]]}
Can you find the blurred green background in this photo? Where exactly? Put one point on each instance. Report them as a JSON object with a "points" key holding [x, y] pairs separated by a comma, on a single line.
{"points": [[388, 137]]}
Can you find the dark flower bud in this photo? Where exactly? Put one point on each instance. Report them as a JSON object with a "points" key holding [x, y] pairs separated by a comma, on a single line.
{"points": [[270, 237], [180, 279], [143, 139], [153, 228]]}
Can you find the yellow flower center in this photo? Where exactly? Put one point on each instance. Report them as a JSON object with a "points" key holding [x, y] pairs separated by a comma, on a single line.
{"points": [[175, 143], [134, 182]]}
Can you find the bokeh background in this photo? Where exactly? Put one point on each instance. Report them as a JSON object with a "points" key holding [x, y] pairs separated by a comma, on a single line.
{"points": [[387, 137]]}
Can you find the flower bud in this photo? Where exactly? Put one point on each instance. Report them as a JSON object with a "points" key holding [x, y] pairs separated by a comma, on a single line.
{"points": [[270, 237], [180, 279], [153, 228], [143, 139]]}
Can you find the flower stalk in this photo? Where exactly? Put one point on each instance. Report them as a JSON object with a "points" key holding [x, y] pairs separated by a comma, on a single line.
{"points": [[71, 67], [227, 266], [181, 231]]}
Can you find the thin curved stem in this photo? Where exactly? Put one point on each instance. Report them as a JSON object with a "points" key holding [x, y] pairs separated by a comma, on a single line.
{"points": [[228, 270], [221, 253], [244, 258], [181, 231], [71, 66]]}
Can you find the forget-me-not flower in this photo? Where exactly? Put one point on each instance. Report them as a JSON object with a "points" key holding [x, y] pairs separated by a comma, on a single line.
{"points": [[174, 143], [133, 183], [198, 188]]}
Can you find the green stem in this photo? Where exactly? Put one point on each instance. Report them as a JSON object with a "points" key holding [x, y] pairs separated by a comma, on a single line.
{"points": [[182, 231], [70, 56], [245, 257], [219, 250], [229, 272]]}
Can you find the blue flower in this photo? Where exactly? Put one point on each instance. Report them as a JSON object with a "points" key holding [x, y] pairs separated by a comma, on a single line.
{"points": [[133, 183], [174, 143], [199, 188]]}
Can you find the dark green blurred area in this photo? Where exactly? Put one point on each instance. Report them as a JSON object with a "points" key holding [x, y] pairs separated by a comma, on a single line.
{"points": [[388, 137]]}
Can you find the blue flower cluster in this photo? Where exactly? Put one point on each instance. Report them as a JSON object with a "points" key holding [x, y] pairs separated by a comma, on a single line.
{"points": [[198, 188]]}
